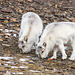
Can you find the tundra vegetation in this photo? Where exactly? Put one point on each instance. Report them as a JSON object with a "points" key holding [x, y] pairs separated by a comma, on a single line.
{"points": [[11, 60]]}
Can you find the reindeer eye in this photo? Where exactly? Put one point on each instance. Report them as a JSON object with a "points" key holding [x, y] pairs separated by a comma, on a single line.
{"points": [[26, 39], [36, 45], [42, 51], [23, 46], [44, 44], [22, 42]]}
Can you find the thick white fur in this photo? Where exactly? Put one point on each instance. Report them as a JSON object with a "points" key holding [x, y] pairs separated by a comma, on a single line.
{"points": [[31, 29], [55, 35]]}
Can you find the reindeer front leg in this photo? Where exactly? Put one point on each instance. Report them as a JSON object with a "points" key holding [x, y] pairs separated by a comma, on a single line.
{"points": [[61, 47], [55, 54]]}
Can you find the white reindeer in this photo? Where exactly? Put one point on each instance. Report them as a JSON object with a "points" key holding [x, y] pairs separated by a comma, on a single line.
{"points": [[31, 29], [54, 36]]}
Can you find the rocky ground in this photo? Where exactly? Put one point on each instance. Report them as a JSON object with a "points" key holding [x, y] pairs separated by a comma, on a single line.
{"points": [[11, 60]]}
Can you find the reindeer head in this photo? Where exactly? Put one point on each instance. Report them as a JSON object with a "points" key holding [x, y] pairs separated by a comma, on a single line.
{"points": [[41, 47]]}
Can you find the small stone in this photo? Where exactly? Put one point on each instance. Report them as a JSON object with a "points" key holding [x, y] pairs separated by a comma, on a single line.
{"points": [[6, 21], [13, 19], [34, 71], [1, 39], [6, 37], [35, 58], [24, 59], [6, 45], [2, 18], [72, 19], [44, 21], [56, 6], [42, 67], [6, 10], [12, 6], [20, 10], [49, 59], [18, 29], [17, 24], [7, 17], [30, 0], [23, 67], [73, 67], [32, 9]]}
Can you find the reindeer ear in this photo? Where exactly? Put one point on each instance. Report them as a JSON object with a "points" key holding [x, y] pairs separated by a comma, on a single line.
{"points": [[44, 44]]}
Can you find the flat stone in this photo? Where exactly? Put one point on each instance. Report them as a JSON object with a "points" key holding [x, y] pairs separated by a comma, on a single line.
{"points": [[35, 58]]}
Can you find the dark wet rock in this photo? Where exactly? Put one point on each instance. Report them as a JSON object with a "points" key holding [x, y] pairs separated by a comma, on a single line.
{"points": [[39, 1], [2, 64], [30, 0], [73, 67], [2, 18], [6, 10], [8, 67]]}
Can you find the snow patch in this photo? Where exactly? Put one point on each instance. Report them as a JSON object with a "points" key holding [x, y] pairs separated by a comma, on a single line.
{"points": [[1, 29], [24, 59], [17, 72], [14, 67], [34, 71], [6, 58], [23, 67], [14, 35]]}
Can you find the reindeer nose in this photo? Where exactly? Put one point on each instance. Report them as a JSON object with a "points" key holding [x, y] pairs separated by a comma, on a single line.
{"points": [[23, 46], [39, 47]]}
